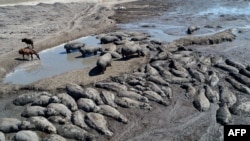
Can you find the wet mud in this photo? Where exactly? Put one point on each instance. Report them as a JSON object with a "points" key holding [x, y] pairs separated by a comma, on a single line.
{"points": [[183, 89]]}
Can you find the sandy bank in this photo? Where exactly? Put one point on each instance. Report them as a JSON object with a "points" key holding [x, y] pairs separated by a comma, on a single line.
{"points": [[48, 25]]}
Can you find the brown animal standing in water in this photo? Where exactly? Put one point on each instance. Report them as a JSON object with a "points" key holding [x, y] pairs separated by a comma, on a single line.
{"points": [[28, 42], [29, 52]]}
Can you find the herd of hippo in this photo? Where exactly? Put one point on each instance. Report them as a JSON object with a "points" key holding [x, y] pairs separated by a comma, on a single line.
{"points": [[117, 45], [80, 112]]}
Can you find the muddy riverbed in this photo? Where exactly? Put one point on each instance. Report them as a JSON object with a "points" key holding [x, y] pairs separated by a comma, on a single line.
{"points": [[165, 22]]}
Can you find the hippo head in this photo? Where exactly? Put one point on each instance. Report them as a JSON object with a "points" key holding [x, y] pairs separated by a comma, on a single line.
{"points": [[54, 99], [144, 99], [123, 119], [96, 109], [142, 53], [25, 125], [146, 106], [50, 129], [51, 112]]}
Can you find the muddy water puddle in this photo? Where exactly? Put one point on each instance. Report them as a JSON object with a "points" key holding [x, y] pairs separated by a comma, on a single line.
{"points": [[156, 30]]}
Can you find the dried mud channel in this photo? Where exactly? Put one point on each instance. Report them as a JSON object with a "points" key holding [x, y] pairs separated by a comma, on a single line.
{"points": [[181, 91]]}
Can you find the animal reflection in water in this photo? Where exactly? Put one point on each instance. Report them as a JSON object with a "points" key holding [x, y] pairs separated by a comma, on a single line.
{"points": [[29, 52]]}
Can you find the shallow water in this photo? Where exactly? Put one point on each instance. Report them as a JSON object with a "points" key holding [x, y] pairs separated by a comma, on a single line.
{"points": [[53, 61], [156, 30], [220, 9]]}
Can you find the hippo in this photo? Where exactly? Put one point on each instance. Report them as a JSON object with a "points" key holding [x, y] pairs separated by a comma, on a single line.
{"points": [[132, 95], [57, 119], [191, 29], [223, 115], [155, 42], [241, 108], [109, 39], [154, 87], [112, 112], [78, 119], [235, 64], [153, 96], [201, 102], [109, 47], [26, 135], [68, 101], [111, 86], [227, 96], [151, 70], [139, 38], [190, 90], [39, 123], [26, 98], [74, 132], [241, 78], [75, 90], [213, 78], [89, 50], [56, 109], [212, 96], [92, 93], [245, 72], [238, 86], [108, 98], [114, 54], [227, 68], [8, 125], [130, 49], [98, 122], [42, 100], [197, 75], [2, 136], [157, 79], [54, 137], [168, 91], [126, 102], [161, 56], [30, 111], [104, 61], [217, 60], [176, 65], [119, 34], [87, 105], [73, 46]]}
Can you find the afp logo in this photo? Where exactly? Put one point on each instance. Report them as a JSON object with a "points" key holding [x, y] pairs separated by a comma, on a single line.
{"points": [[239, 132]]}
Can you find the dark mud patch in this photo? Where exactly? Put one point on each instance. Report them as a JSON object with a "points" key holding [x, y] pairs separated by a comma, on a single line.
{"points": [[138, 10]]}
